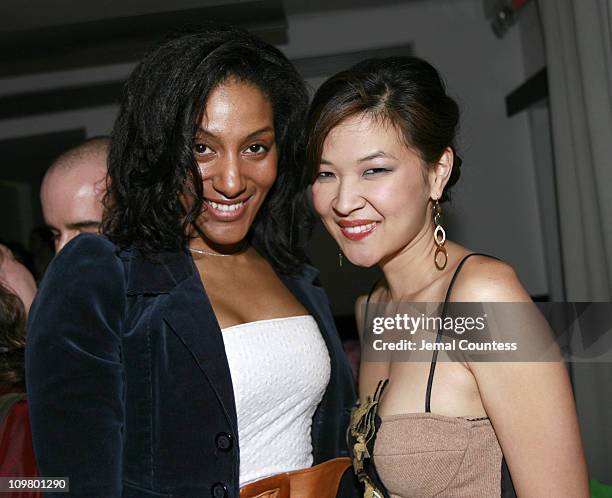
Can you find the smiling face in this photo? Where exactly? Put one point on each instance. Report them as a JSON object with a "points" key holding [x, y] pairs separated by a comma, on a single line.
{"points": [[236, 152], [371, 191]]}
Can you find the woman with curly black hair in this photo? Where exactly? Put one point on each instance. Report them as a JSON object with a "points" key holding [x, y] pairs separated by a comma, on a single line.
{"points": [[192, 348]]}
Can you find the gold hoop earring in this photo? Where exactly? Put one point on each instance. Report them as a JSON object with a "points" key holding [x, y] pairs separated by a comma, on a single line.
{"points": [[439, 236]]}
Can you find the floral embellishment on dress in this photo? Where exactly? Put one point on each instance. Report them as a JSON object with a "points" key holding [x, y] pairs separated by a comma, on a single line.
{"points": [[359, 435]]}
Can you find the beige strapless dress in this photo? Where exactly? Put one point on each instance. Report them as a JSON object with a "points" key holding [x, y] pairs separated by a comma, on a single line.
{"points": [[424, 455]]}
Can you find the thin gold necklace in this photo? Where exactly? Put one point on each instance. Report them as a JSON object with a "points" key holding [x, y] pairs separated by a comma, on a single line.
{"points": [[209, 253]]}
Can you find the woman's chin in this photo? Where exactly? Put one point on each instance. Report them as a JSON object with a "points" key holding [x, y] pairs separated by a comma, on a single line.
{"points": [[225, 236], [362, 260]]}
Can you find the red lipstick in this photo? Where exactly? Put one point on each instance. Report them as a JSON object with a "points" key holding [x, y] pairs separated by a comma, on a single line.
{"points": [[357, 229]]}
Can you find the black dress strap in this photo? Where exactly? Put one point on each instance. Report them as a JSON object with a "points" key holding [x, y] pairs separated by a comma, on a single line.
{"points": [[434, 358], [365, 311]]}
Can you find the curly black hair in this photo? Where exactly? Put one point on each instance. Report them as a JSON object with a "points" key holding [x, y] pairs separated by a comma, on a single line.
{"points": [[151, 158], [408, 92]]}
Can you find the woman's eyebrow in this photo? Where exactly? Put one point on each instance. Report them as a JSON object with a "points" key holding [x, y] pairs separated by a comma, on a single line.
{"points": [[265, 129], [376, 155]]}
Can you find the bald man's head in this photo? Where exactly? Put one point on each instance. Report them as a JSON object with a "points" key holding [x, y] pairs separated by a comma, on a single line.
{"points": [[72, 191]]}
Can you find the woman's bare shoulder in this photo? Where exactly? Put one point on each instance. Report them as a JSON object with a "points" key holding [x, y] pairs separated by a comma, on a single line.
{"points": [[486, 279]]}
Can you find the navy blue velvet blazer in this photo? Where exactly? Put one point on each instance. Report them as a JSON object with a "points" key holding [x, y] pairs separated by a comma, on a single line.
{"points": [[128, 383]]}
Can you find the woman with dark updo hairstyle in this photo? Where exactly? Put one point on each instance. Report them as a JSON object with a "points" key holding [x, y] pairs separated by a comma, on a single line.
{"points": [[383, 158], [189, 351]]}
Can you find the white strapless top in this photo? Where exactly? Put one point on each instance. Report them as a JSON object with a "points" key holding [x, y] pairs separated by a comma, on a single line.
{"points": [[280, 369]]}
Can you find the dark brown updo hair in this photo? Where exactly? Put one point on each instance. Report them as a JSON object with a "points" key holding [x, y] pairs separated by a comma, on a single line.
{"points": [[12, 338], [404, 91]]}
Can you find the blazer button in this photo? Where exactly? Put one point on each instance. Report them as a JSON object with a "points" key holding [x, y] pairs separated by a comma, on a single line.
{"points": [[224, 441], [219, 490]]}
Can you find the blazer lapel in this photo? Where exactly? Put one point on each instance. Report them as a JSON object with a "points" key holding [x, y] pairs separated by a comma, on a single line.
{"points": [[190, 315]]}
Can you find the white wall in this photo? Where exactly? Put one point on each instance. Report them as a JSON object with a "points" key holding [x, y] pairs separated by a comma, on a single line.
{"points": [[534, 59], [96, 121]]}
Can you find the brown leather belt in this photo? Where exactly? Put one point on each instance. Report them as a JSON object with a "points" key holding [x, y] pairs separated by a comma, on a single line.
{"points": [[320, 481]]}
